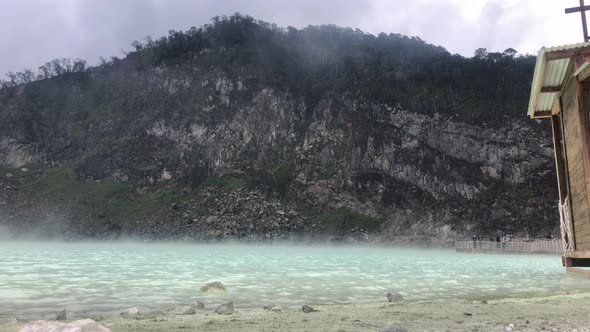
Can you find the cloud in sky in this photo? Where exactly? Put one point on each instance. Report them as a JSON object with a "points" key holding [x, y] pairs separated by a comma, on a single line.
{"points": [[35, 31]]}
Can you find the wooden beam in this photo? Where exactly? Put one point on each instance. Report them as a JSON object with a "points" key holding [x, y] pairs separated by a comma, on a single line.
{"points": [[567, 175], [579, 271], [576, 9], [550, 89], [583, 15], [559, 159], [583, 109], [582, 10], [580, 58], [542, 114], [558, 55], [583, 71], [556, 109], [562, 54], [579, 254]]}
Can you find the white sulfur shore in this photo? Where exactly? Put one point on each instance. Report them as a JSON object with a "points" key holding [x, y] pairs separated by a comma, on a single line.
{"points": [[555, 313]]}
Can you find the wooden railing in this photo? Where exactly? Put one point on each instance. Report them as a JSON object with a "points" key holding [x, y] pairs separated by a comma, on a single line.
{"points": [[533, 246]]}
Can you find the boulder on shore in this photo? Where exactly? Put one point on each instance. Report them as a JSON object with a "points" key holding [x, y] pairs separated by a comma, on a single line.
{"points": [[215, 286], [394, 296], [182, 310], [307, 308], [225, 308], [83, 325], [198, 305]]}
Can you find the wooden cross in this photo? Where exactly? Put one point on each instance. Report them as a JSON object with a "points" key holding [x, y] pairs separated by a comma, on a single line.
{"points": [[582, 9]]}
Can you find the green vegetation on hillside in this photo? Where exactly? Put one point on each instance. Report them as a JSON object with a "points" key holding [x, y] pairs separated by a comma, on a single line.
{"points": [[319, 60], [342, 220], [328, 59], [226, 183], [282, 176], [116, 200], [141, 205], [327, 173], [62, 184]]}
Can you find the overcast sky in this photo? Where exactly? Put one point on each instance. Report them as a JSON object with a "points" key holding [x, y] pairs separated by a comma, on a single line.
{"points": [[35, 31]]}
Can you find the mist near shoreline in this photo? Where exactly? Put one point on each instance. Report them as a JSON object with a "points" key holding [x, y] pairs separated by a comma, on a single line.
{"points": [[52, 229], [7, 236]]}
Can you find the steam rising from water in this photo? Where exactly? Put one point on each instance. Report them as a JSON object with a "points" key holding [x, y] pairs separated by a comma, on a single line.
{"points": [[37, 278]]}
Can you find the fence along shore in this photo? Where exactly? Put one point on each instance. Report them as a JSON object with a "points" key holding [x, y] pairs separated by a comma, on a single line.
{"points": [[525, 247]]}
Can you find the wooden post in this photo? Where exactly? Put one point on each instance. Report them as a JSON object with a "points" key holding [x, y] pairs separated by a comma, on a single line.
{"points": [[559, 160], [582, 96], [584, 28], [567, 176]]}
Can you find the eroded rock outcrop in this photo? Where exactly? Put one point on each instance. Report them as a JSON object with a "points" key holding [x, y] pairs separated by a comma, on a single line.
{"points": [[420, 172]]}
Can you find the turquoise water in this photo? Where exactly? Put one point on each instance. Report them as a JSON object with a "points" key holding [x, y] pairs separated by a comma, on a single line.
{"points": [[38, 278]]}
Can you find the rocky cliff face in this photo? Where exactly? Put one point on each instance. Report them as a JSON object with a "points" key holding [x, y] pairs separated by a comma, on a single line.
{"points": [[191, 151]]}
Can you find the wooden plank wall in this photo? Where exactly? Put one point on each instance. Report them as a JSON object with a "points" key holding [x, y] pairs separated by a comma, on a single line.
{"points": [[576, 172]]}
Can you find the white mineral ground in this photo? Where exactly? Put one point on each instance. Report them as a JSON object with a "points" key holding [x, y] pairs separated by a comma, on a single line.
{"points": [[554, 313]]}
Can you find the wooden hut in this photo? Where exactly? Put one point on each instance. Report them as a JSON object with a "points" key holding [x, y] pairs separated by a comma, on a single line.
{"points": [[560, 92]]}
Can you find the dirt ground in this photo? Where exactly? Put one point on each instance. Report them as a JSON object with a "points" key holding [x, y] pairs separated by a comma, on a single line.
{"points": [[556, 313]]}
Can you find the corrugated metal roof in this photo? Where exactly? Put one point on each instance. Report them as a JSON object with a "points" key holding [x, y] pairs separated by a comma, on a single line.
{"points": [[555, 72], [535, 84], [564, 47], [545, 102], [551, 67]]}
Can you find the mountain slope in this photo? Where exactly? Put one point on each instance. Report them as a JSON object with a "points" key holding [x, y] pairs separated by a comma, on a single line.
{"points": [[241, 129]]}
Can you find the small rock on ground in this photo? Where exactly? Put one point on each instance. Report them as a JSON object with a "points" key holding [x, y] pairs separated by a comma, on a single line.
{"points": [[215, 286], [307, 309], [268, 306], [62, 315], [393, 296], [131, 311], [182, 310], [198, 305], [225, 308], [390, 327]]}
